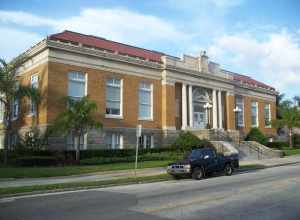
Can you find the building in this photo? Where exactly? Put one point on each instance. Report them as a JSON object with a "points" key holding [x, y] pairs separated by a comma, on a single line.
{"points": [[131, 86]]}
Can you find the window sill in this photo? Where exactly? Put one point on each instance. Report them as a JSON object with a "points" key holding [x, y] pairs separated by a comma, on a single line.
{"points": [[114, 116], [14, 118], [145, 119], [31, 115], [268, 126]]}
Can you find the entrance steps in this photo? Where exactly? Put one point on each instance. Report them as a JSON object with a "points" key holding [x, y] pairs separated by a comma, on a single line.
{"points": [[247, 150]]}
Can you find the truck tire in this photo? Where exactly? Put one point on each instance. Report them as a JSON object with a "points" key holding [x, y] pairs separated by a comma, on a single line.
{"points": [[197, 173], [228, 170]]}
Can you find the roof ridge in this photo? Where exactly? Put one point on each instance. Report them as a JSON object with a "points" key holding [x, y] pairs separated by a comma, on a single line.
{"points": [[102, 38]]}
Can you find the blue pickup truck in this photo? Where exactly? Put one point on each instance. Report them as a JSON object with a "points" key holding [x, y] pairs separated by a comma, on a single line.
{"points": [[202, 162]]}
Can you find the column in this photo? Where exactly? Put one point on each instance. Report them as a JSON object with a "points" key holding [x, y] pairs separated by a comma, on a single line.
{"points": [[214, 108], [191, 117], [220, 109], [184, 107]]}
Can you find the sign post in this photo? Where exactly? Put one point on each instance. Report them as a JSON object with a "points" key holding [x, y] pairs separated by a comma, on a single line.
{"points": [[138, 135]]}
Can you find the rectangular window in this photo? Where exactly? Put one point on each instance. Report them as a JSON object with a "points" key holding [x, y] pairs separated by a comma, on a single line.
{"points": [[77, 85], [71, 142], [254, 114], [34, 83], [146, 141], [145, 101], [114, 97], [239, 103], [114, 140], [15, 109], [2, 111], [267, 115]]}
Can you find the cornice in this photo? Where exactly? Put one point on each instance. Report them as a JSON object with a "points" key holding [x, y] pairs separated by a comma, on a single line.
{"points": [[102, 54]]}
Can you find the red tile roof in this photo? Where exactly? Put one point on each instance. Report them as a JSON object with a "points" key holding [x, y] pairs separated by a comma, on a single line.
{"points": [[101, 43], [97, 42]]}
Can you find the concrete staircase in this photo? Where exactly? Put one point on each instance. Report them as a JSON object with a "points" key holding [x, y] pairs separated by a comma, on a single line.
{"points": [[229, 142], [247, 150]]}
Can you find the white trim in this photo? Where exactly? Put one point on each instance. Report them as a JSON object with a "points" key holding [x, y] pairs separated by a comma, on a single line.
{"points": [[183, 107], [151, 103], [257, 119], [220, 109], [191, 114], [214, 107], [270, 116], [120, 116]]}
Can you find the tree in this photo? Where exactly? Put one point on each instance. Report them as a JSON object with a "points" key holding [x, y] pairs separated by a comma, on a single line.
{"points": [[77, 120], [10, 91], [290, 118], [297, 100]]}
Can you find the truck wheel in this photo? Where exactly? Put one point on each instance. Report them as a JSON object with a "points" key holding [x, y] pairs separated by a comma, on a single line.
{"points": [[228, 170], [197, 173]]}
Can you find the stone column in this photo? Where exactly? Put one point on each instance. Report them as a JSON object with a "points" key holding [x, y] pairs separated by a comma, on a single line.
{"points": [[184, 107], [191, 117], [214, 108], [220, 109]]}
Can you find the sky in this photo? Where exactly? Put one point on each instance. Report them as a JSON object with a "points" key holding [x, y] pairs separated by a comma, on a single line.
{"points": [[258, 38]]}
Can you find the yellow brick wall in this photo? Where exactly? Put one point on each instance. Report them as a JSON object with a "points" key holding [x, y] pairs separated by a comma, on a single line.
{"points": [[58, 88], [168, 106], [24, 118]]}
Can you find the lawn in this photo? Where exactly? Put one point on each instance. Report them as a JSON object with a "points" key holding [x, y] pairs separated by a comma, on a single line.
{"points": [[35, 172], [84, 185], [290, 152]]}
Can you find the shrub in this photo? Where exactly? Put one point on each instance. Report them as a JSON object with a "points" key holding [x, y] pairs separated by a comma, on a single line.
{"points": [[256, 135], [277, 144], [187, 141], [37, 161], [296, 139]]}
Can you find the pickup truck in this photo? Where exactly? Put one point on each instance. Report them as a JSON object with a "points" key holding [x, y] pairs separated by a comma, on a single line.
{"points": [[202, 162]]}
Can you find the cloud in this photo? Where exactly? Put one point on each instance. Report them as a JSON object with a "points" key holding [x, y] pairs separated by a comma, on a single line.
{"points": [[274, 60], [14, 42], [116, 24], [25, 19]]}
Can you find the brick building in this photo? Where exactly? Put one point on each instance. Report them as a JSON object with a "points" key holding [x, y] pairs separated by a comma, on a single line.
{"points": [[131, 86]]}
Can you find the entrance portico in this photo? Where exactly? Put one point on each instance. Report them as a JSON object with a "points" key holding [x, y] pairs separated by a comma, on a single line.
{"points": [[202, 108]]}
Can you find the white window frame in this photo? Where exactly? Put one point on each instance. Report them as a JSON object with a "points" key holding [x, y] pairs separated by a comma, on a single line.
{"points": [[257, 120], [151, 101], [32, 110], [78, 80], [15, 114], [120, 116], [144, 138], [2, 111], [71, 145], [270, 114], [242, 125], [112, 137]]}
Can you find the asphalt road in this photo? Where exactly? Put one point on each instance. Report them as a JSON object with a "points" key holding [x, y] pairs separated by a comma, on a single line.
{"points": [[272, 193]]}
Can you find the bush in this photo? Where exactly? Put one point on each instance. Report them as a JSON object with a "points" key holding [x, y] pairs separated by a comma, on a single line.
{"points": [[296, 139], [142, 157], [187, 141], [256, 135], [277, 144], [37, 161]]}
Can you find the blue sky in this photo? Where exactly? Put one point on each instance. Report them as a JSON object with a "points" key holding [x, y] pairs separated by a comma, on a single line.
{"points": [[257, 38]]}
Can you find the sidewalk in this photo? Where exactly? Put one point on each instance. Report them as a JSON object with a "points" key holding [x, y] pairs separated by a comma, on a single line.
{"points": [[112, 175]]}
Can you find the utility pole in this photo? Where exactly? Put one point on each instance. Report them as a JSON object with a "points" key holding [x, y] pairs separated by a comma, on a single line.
{"points": [[138, 135]]}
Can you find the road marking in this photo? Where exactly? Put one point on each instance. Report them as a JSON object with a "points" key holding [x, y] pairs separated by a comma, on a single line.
{"points": [[7, 200]]}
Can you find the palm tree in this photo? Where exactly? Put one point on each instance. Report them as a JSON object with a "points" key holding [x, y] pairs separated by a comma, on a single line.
{"points": [[290, 118], [297, 100], [77, 120], [10, 90]]}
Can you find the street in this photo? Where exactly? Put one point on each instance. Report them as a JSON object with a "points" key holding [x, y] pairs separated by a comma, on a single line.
{"points": [[272, 193]]}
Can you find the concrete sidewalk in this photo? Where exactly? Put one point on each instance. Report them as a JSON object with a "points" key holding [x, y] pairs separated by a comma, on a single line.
{"points": [[128, 173]]}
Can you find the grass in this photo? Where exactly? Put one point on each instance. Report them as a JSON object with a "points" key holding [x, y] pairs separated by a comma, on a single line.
{"points": [[83, 185], [36, 172], [290, 152]]}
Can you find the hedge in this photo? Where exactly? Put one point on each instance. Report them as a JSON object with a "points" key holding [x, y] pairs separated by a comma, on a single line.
{"points": [[37, 161]]}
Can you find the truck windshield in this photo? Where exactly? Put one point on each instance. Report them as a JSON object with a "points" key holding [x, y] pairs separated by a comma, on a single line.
{"points": [[193, 154]]}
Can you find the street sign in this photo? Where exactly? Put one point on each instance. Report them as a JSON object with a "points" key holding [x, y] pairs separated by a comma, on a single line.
{"points": [[138, 135]]}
